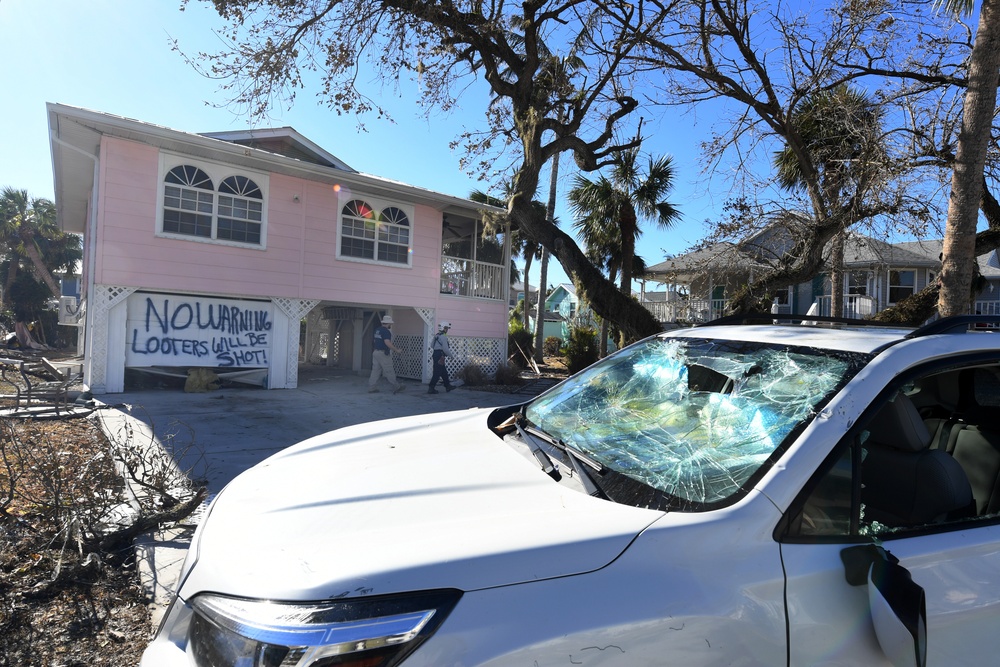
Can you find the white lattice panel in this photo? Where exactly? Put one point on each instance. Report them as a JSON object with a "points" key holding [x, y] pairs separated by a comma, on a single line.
{"points": [[487, 353], [295, 309], [409, 364], [104, 298], [427, 315]]}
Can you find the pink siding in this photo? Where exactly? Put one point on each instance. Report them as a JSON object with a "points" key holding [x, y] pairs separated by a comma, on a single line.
{"points": [[300, 256]]}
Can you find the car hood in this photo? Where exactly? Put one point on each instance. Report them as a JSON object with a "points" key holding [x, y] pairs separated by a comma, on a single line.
{"points": [[432, 501]]}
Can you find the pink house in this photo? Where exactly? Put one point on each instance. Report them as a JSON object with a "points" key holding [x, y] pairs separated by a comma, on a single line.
{"points": [[251, 252]]}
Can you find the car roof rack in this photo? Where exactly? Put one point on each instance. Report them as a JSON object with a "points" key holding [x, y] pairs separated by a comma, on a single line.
{"points": [[782, 318], [958, 324]]}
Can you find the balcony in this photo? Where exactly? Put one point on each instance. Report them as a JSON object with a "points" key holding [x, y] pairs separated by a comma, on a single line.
{"points": [[688, 310], [987, 308], [465, 277], [856, 306]]}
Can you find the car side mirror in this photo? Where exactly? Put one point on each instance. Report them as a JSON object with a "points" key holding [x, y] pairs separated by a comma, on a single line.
{"points": [[897, 604]]}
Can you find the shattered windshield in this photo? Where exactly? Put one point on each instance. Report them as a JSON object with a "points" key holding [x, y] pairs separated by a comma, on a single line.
{"points": [[693, 419]]}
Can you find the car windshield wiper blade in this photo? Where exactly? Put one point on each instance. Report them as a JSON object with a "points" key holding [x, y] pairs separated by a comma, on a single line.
{"points": [[568, 448], [544, 460], [586, 468]]}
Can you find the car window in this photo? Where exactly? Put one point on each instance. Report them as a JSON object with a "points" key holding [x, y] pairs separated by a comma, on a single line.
{"points": [[694, 419], [926, 459]]}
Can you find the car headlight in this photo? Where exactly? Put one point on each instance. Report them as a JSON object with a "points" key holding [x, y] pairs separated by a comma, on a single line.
{"points": [[360, 632]]}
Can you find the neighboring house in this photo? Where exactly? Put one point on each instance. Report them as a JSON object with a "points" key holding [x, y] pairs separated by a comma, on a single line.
{"points": [[210, 250], [561, 307], [565, 310], [876, 275], [517, 294]]}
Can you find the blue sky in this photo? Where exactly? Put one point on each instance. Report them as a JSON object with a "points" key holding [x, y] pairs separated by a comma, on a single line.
{"points": [[114, 56]]}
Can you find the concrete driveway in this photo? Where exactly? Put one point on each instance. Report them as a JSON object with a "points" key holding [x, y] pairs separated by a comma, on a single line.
{"points": [[217, 435]]}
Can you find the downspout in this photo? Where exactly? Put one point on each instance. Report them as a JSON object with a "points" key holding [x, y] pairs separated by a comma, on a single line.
{"points": [[90, 235]]}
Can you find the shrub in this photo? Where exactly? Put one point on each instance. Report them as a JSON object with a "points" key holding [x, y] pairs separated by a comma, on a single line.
{"points": [[507, 374], [583, 349], [472, 375], [552, 345], [518, 344]]}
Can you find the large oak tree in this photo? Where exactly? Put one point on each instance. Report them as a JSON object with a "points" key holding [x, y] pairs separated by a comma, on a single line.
{"points": [[560, 77]]}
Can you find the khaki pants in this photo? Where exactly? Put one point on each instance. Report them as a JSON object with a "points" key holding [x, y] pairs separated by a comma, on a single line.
{"points": [[382, 365]]}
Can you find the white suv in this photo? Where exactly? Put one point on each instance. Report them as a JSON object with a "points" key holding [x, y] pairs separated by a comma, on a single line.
{"points": [[802, 493]]}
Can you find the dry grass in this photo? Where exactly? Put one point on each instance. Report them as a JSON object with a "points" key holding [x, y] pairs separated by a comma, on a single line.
{"points": [[60, 605]]}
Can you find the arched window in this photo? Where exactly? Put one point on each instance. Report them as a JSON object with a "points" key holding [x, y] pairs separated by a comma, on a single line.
{"points": [[394, 236], [241, 210], [188, 202], [368, 234], [357, 230], [192, 206]]}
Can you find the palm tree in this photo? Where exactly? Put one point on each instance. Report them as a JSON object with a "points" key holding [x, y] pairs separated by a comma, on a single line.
{"points": [[32, 244], [608, 211], [958, 254], [25, 223], [841, 130], [603, 248]]}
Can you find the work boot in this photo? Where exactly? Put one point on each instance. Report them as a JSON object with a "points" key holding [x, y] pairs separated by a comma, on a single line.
{"points": [[399, 388], [432, 390], [448, 388], [372, 390]]}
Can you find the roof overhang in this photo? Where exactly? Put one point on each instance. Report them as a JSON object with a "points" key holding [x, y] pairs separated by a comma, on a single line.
{"points": [[75, 137]]}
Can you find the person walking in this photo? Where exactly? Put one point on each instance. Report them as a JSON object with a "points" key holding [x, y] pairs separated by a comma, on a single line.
{"points": [[440, 350], [382, 350]]}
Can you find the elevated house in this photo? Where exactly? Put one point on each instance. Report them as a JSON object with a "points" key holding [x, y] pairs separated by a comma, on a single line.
{"points": [[250, 252], [876, 275]]}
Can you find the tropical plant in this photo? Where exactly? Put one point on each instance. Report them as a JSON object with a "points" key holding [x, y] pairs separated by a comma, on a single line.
{"points": [[582, 349], [841, 130], [608, 211], [33, 250]]}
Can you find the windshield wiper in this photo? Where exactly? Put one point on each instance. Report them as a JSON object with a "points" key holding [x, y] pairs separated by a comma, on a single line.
{"points": [[544, 460], [585, 467]]}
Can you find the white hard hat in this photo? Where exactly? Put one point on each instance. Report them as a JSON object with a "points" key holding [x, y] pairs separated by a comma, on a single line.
{"points": [[444, 325], [387, 319]]}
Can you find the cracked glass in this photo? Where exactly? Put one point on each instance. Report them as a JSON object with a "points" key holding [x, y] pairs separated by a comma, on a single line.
{"points": [[693, 419]]}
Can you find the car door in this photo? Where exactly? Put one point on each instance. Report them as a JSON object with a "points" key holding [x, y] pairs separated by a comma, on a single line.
{"points": [[830, 622], [951, 551]]}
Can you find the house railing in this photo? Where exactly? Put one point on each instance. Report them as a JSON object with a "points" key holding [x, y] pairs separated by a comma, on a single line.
{"points": [[689, 310], [856, 306], [464, 277], [987, 308]]}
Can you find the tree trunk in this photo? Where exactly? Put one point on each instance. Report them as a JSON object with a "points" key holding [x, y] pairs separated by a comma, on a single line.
{"points": [[837, 275], [9, 282], [43, 273], [550, 217], [592, 286], [918, 308], [958, 255], [528, 257], [603, 349], [628, 227]]}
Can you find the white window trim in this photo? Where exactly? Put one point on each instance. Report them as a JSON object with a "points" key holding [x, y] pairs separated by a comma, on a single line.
{"points": [[217, 172], [380, 205], [869, 281], [889, 285]]}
